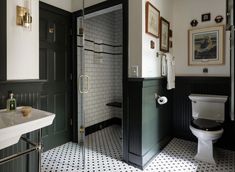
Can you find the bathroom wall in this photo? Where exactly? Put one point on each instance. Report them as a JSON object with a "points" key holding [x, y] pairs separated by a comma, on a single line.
{"points": [[141, 54], [184, 11], [22, 44], [151, 66], [104, 69], [135, 37]]}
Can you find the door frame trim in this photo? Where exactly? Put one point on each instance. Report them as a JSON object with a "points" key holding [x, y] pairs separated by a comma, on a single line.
{"points": [[91, 9], [3, 40]]}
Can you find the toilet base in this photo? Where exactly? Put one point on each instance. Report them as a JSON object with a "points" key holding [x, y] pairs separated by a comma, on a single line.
{"points": [[205, 151], [205, 144]]}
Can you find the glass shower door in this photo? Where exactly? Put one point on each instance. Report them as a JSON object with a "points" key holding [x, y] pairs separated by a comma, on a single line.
{"points": [[83, 85]]}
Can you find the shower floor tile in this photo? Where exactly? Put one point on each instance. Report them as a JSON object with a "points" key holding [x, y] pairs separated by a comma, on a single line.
{"points": [[103, 153]]}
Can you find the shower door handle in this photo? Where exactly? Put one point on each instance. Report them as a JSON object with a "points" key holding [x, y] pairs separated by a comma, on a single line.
{"points": [[81, 85]]}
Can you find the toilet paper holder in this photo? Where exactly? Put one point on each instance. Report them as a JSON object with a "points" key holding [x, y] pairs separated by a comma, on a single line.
{"points": [[161, 100]]}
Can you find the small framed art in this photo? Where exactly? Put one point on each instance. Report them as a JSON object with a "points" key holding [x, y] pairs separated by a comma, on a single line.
{"points": [[152, 20], [164, 35], [206, 17]]}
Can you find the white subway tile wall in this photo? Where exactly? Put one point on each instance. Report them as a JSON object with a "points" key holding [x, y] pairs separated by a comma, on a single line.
{"points": [[103, 65]]}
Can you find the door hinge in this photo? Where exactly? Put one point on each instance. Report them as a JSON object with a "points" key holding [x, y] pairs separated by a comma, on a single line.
{"points": [[71, 121], [71, 76]]}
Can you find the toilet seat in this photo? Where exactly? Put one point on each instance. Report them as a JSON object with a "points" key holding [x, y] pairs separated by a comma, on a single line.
{"points": [[206, 125]]}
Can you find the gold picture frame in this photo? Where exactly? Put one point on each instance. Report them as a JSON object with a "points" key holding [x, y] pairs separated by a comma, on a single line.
{"points": [[152, 20], [206, 46]]}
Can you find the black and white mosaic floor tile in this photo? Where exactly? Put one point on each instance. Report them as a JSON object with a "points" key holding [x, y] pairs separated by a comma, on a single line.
{"points": [[103, 154]]}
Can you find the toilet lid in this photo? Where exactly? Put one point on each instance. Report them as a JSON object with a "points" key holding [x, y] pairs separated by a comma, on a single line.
{"points": [[206, 124]]}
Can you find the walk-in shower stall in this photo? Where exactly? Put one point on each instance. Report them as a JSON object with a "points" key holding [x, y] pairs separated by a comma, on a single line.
{"points": [[100, 74]]}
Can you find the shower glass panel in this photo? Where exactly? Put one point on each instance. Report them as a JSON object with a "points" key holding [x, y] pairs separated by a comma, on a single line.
{"points": [[99, 57], [83, 81]]}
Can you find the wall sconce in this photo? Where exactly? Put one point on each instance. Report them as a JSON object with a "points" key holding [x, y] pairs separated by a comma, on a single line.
{"points": [[23, 17]]}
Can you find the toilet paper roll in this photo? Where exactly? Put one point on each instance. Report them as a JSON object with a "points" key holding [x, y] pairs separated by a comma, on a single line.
{"points": [[162, 100]]}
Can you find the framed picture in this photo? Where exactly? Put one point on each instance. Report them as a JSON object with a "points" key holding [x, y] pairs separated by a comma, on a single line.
{"points": [[206, 17], [164, 35], [206, 46], [152, 20]]}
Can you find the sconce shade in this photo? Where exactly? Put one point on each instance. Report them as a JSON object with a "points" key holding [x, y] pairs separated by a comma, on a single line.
{"points": [[23, 17], [27, 19]]}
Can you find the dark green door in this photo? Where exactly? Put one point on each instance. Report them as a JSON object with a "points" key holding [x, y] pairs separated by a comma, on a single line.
{"points": [[55, 59]]}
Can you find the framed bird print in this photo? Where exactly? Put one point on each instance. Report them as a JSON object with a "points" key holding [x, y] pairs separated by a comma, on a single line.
{"points": [[206, 46]]}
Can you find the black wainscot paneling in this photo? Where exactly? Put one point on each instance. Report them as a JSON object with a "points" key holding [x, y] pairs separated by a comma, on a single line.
{"points": [[182, 109], [28, 93], [149, 123]]}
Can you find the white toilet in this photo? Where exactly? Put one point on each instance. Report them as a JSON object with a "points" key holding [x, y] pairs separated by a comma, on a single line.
{"points": [[208, 112]]}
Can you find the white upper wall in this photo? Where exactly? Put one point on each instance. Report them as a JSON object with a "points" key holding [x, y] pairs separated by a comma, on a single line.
{"points": [[22, 44], [140, 53], [135, 35], [63, 4], [184, 11], [151, 66]]}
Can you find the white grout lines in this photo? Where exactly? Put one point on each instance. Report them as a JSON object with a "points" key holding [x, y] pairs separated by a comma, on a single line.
{"points": [[103, 154]]}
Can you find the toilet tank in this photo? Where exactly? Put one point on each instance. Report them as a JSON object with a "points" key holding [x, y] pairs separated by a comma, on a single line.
{"points": [[208, 106]]}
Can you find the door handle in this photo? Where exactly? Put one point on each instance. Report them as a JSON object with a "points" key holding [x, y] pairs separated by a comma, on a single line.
{"points": [[82, 89]]}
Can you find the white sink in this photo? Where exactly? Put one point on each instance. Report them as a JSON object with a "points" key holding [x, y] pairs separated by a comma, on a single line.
{"points": [[13, 125]]}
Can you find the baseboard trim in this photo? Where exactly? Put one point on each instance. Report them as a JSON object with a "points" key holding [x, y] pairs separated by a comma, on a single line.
{"points": [[142, 162], [102, 125]]}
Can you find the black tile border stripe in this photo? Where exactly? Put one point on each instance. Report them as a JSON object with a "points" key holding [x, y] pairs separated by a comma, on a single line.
{"points": [[102, 125], [103, 52], [88, 40]]}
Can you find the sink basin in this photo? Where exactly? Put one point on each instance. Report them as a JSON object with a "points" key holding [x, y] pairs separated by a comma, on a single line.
{"points": [[13, 124]]}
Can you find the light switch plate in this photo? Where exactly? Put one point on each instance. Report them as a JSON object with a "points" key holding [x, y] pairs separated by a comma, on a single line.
{"points": [[134, 71]]}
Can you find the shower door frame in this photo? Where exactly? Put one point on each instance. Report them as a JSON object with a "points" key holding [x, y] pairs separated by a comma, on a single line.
{"points": [[88, 10], [230, 26]]}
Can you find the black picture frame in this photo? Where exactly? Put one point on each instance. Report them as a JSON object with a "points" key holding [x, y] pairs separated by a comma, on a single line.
{"points": [[206, 17], [164, 35]]}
